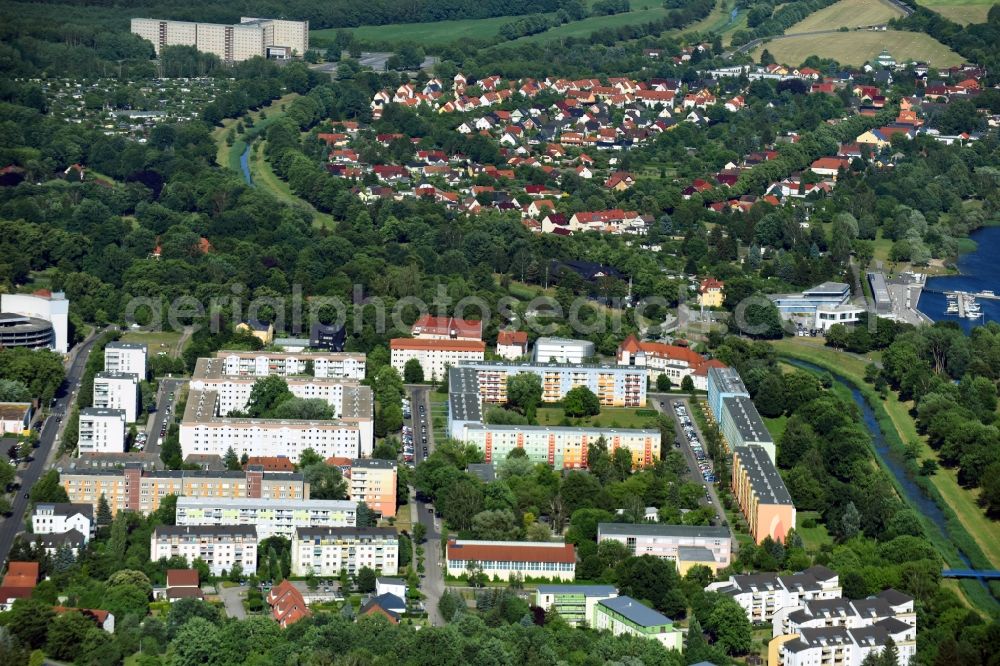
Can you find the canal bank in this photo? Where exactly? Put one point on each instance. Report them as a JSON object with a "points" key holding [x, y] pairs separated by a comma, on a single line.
{"points": [[942, 527]]}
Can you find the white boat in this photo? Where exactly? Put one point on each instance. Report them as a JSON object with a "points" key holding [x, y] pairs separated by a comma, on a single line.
{"points": [[987, 293]]}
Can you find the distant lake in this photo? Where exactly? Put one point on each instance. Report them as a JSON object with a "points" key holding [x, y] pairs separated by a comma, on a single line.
{"points": [[979, 270]]}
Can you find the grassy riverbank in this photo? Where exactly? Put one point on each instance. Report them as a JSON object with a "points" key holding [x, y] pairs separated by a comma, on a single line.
{"points": [[968, 529]]}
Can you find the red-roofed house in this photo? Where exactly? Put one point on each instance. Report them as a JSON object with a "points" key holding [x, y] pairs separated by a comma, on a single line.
{"points": [[287, 604], [620, 181], [830, 166], [19, 583], [711, 293], [183, 584], [429, 327], [102, 618], [512, 344], [671, 360], [530, 559], [272, 463]]}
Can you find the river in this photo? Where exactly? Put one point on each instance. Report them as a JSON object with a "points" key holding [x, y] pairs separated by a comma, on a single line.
{"points": [[245, 165], [978, 270]]}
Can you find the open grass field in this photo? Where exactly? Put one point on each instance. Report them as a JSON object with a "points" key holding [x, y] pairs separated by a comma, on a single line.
{"points": [[847, 14], [813, 537], [856, 48], [984, 531], [618, 417], [155, 341], [961, 11], [229, 156]]}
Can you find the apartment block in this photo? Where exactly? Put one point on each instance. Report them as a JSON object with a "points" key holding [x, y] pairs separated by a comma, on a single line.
{"points": [[561, 447], [763, 595], [373, 482], [252, 37], [850, 613], [133, 489], [562, 350], [275, 517], [118, 390], [126, 357], [204, 431], [723, 383], [321, 365], [101, 430], [614, 385], [502, 559], [574, 603], [741, 425], [325, 551], [221, 547], [434, 354], [674, 361], [846, 647], [624, 615], [686, 545], [62, 517], [761, 494]]}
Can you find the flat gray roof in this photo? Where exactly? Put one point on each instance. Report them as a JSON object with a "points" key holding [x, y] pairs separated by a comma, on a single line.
{"points": [[557, 429], [828, 288], [205, 530], [658, 529], [879, 288], [747, 419], [763, 475], [374, 463], [695, 554], [465, 407], [587, 590], [102, 411], [117, 344], [728, 380], [631, 609]]}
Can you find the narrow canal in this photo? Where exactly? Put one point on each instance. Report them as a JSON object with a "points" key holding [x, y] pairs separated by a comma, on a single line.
{"points": [[245, 165]]}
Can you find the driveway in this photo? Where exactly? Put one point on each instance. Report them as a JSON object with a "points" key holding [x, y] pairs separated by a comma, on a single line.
{"points": [[664, 402], [432, 584], [232, 599]]}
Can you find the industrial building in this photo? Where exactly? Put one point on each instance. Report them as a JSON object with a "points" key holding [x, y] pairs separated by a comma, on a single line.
{"points": [[880, 293], [250, 38]]}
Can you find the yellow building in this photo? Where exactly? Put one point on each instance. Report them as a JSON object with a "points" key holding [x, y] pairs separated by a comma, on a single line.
{"points": [[263, 332], [711, 293]]}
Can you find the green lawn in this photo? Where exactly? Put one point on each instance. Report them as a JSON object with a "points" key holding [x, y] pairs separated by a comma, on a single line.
{"points": [[813, 537], [155, 341], [618, 417], [985, 532], [961, 11], [265, 178], [847, 14], [776, 426]]}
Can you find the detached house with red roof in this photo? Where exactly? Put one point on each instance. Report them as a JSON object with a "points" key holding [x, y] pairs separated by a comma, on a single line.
{"points": [[287, 604], [830, 166], [620, 181], [551, 560], [674, 361], [711, 293], [18, 583], [512, 344]]}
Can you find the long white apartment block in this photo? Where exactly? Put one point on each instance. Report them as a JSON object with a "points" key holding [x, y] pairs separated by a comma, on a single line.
{"points": [[347, 365], [250, 38], [221, 547], [126, 357], [324, 551], [269, 517], [204, 430], [101, 430], [118, 390]]}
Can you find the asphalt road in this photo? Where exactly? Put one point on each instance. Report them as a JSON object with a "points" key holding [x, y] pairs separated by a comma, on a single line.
{"points": [[157, 418], [664, 403], [232, 600], [432, 584], [12, 524]]}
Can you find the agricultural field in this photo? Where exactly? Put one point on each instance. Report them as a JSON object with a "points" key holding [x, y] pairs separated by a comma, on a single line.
{"points": [[847, 14], [961, 11], [425, 34], [856, 48]]}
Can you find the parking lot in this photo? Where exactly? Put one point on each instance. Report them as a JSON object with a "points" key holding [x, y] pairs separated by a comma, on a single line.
{"points": [[690, 442], [415, 437]]}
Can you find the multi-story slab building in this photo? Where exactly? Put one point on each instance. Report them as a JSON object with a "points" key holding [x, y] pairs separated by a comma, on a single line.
{"points": [[674, 361], [723, 383], [561, 447], [117, 390], [614, 385], [625, 615], [270, 517], [320, 365], [529, 559], [574, 603], [761, 494], [763, 595], [133, 489], [741, 425], [251, 37], [434, 354], [686, 545], [221, 547], [840, 612], [101, 430], [843, 646], [325, 551], [126, 357], [373, 482]]}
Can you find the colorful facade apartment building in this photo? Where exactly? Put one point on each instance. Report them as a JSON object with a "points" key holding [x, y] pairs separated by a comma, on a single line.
{"points": [[325, 551], [723, 383], [373, 482], [269, 517], [625, 615], [686, 545], [561, 447], [133, 489], [614, 386], [761, 494], [221, 547], [574, 603], [503, 559]]}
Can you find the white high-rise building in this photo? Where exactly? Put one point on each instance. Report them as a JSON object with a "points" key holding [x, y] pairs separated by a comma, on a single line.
{"points": [[251, 37], [118, 390], [221, 547], [101, 430], [126, 357], [325, 551]]}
